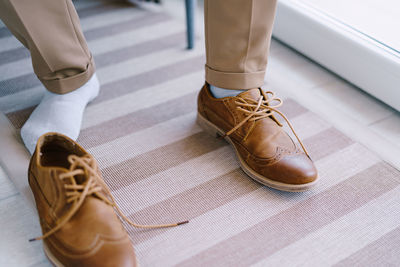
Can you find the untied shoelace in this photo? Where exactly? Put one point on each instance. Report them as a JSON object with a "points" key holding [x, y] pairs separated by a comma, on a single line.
{"points": [[76, 193], [263, 108]]}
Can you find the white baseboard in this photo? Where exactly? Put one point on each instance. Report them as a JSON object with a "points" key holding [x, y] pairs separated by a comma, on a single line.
{"points": [[14, 158]]}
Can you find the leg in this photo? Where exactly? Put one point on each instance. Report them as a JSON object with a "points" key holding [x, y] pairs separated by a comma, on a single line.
{"points": [[50, 29], [190, 6], [238, 35]]}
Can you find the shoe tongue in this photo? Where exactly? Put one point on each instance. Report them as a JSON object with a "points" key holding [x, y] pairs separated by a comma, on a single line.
{"points": [[251, 93]]}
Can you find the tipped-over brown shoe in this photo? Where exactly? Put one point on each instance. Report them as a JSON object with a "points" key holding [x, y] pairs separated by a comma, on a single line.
{"points": [[265, 151], [76, 208]]}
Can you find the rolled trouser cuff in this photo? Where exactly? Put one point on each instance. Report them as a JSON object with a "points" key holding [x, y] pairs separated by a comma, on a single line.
{"points": [[231, 80], [69, 84]]}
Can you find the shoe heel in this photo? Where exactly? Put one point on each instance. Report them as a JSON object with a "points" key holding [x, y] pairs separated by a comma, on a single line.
{"points": [[208, 127]]}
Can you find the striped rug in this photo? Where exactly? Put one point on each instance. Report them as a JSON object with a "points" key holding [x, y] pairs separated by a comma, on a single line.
{"points": [[163, 168]]}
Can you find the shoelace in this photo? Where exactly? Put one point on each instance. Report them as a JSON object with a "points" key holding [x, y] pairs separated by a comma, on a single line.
{"points": [[263, 108], [76, 193]]}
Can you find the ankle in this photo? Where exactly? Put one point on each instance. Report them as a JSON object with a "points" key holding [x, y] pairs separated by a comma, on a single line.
{"points": [[218, 92], [59, 113]]}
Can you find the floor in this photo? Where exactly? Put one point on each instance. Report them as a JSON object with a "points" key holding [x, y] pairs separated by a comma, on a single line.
{"points": [[359, 115], [350, 109]]}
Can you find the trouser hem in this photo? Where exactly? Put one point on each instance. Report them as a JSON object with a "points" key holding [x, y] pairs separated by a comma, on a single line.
{"points": [[69, 84], [231, 80]]}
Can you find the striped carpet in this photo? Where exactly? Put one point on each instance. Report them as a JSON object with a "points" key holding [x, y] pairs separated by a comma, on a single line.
{"points": [[163, 168]]}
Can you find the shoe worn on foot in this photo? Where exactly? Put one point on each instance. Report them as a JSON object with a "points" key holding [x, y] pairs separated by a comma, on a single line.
{"points": [[79, 224], [265, 151]]}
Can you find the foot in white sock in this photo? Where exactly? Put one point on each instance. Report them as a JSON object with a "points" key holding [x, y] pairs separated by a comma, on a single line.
{"points": [[59, 113], [221, 92]]}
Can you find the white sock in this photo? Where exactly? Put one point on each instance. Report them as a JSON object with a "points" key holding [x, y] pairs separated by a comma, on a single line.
{"points": [[221, 92], [59, 113]]}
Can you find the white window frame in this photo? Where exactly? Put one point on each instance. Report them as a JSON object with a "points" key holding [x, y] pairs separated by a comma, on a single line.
{"points": [[359, 59]]}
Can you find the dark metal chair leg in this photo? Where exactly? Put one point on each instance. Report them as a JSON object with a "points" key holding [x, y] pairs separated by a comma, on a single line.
{"points": [[190, 18]]}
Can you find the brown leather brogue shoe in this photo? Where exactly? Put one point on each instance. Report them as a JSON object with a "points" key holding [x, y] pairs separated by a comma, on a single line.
{"points": [[76, 208], [79, 224], [265, 151]]}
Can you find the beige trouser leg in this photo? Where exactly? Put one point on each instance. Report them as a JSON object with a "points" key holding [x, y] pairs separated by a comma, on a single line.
{"points": [[238, 35], [50, 29]]}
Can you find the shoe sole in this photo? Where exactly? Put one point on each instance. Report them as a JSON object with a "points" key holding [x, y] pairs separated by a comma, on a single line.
{"points": [[212, 129], [53, 260]]}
